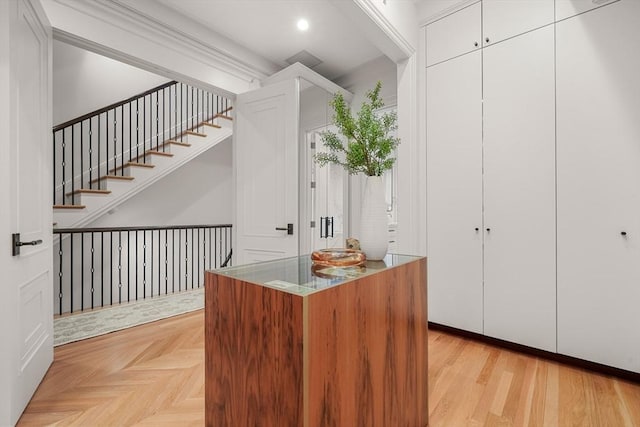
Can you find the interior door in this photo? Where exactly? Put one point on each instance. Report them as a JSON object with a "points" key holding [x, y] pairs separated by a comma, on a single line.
{"points": [[328, 201], [266, 180], [26, 306]]}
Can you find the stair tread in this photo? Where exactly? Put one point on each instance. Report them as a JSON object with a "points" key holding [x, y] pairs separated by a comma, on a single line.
{"points": [[181, 144], [222, 116], [190, 132], [159, 153], [153, 153], [210, 124], [117, 177], [69, 206], [134, 164], [89, 191]]}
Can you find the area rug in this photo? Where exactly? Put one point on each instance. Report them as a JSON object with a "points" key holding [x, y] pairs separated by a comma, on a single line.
{"points": [[81, 326]]}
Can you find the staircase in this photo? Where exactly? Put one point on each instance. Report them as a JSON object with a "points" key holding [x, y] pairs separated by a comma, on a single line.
{"points": [[105, 157]]}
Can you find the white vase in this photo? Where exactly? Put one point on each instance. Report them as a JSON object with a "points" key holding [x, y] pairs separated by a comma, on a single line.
{"points": [[374, 227]]}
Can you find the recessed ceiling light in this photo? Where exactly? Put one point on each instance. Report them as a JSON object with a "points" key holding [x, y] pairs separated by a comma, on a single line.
{"points": [[303, 24]]}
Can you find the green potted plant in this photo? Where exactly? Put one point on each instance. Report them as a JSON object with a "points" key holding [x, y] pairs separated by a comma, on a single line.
{"points": [[366, 147]]}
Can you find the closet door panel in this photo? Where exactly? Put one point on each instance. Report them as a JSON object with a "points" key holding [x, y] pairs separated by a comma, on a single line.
{"points": [[506, 18], [519, 190], [454, 34], [568, 8], [454, 192], [599, 186]]}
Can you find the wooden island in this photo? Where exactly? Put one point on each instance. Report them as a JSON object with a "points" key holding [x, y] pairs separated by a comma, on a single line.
{"points": [[285, 346]]}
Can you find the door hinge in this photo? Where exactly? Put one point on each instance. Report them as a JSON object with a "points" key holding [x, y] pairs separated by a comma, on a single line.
{"points": [[313, 184], [313, 224], [313, 145]]}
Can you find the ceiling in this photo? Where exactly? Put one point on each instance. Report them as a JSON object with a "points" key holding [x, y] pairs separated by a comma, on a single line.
{"points": [[268, 28]]}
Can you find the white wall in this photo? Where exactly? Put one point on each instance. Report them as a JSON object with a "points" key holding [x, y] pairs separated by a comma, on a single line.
{"points": [[364, 78], [84, 81], [197, 193]]}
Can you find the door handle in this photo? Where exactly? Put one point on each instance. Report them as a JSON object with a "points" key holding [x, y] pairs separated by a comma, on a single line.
{"points": [[325, 223], [288, 229], [331, 226], [16, 244]]}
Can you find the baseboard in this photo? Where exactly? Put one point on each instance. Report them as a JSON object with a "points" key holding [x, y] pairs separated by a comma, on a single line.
{"points": [[556, 357]]}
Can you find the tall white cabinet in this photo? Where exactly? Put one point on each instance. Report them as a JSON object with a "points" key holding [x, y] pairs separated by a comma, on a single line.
{"points": [[519, 190], [490, 177], [599, 185], [454, 192], [533, 175]]}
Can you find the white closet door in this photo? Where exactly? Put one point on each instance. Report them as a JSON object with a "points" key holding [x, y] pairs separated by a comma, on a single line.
{"points": [[454, 192], [599, 185], [454, 35], [519, 190], [502, 19]]}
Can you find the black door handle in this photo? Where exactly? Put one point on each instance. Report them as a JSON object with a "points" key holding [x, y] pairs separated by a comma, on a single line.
{"points": [[288, 229], [17, 244], [331, 226]]}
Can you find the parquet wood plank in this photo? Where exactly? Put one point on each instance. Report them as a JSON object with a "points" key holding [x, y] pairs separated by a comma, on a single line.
{"points": [[153, 375]]}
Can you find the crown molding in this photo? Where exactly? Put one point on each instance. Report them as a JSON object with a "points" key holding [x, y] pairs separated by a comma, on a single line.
{"points": [[374, 13], [117, 13]]}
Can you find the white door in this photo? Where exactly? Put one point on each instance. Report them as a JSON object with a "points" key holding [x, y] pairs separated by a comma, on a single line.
{"points": [[519, 190], [454, 192], [599, 185], [266, 165], [328, 198], [26, 305]]}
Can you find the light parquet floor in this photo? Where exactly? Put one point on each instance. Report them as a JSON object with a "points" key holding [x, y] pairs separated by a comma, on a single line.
{"points": [[153, 375]]}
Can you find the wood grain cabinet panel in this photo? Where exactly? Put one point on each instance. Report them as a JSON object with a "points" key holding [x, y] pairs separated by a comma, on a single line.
{"points": [[353, 354]]}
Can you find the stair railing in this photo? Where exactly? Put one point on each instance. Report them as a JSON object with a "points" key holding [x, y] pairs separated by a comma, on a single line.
{"points": [[100, 267], [103, 142]]}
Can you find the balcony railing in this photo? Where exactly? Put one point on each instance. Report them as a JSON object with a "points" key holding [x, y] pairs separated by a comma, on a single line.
{"points": [[100, 267]]}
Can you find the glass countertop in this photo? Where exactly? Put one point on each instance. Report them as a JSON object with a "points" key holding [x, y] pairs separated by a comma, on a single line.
{"points": [[298, 275]]}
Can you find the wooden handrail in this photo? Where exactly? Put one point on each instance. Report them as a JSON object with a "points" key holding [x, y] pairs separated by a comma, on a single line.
{"points": [[112, 106], [140, 228]]}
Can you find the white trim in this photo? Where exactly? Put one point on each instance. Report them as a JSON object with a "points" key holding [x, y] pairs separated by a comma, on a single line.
{"points": [[299, 70], [448, 11], [117, 55], [376, 16], [233, 69], [409, 162]]}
